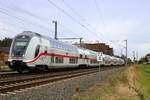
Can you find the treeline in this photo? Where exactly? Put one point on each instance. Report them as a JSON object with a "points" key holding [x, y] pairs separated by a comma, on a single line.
{"points": [[143, 60], [5, 42]]}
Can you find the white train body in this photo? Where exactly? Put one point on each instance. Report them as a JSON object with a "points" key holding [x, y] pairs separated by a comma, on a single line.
{"points": [[31, 50]]}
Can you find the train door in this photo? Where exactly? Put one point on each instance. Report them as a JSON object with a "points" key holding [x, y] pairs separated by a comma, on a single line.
{"points": [[46, 57], [41, 58], [82, 59], [37, 53]]}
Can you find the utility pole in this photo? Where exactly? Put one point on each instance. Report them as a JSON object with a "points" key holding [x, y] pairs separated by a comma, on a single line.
{"points": [[55, 22], [80, 41], [126, 47], [137, 56], [134, 56], [126, 41]]}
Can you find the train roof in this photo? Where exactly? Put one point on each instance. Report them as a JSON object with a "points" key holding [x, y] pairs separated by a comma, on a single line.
{"points": [[30, 33], [66, 45], [55, 42]]}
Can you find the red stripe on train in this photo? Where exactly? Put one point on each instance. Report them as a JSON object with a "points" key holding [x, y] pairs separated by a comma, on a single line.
{"points": [[58, 55]]}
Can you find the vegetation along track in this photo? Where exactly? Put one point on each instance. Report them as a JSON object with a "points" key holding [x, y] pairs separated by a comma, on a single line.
{"points": [[26, 81]]}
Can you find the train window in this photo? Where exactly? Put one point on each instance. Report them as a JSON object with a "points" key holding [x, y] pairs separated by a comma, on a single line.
{"points": [[80, 55], [59, 60], [85, 56], [73, 60], [20, 45], [56, 59], [87, 61], [52, 44], [90, 61], [58, 45], [76, 60], [37, 50], [52, 59], [93, 61]]}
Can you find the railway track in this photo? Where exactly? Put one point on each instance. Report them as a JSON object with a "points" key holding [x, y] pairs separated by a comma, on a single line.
{"points": [[10, 75], [10, 84], [5, 74]]}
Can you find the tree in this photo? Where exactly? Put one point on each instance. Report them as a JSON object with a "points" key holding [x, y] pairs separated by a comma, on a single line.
{"points": [[129, 61], [123, 57], [5, 42], [143, 60]]}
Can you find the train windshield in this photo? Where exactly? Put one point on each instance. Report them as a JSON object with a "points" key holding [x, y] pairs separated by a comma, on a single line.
{"points": [[19, 46]]}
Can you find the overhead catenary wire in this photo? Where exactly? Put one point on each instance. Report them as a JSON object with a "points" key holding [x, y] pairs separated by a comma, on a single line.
{"points": [[99, 12], [37, 17], [71, 17], [82, 18], [8, 13], [117, 44], [20, 19], [45, 21], [73, 33], [77, 14], [3, 30]]}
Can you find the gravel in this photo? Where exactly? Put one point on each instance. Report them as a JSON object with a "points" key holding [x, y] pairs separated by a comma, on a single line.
{"points": [[60, 90]]}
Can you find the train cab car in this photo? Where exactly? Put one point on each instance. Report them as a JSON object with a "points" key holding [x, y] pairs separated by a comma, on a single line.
{"points": [[30, 50], [122, 62], [107, 60], [24, 48]]}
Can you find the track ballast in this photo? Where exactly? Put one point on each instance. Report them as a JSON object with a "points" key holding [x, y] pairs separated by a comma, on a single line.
{"points": [[9, 84]]}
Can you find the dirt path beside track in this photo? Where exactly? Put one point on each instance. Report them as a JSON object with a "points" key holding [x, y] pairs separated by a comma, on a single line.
{"points": [[123, 85]]}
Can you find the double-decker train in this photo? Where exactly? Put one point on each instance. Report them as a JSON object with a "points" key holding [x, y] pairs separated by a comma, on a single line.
{"points": [[31, 50]]}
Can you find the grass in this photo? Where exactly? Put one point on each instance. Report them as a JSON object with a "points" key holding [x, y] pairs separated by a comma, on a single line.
{"points": [[4, 68], [132, 83], [105, 90], [144, 80], [145, 75]]}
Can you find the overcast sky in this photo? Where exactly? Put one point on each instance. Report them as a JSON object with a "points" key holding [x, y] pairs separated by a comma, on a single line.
{"points": [[109, 21]]}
